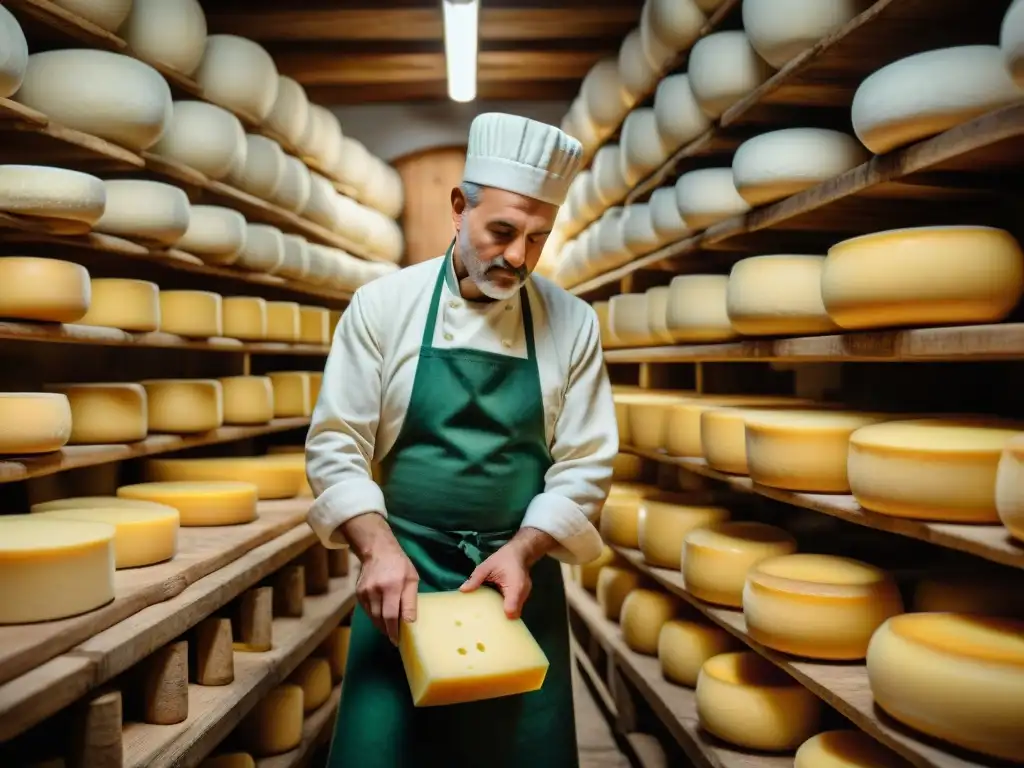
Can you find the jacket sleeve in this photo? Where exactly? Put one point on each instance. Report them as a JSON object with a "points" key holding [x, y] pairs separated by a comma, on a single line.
{"points": [[584, 445], [340, 443]]}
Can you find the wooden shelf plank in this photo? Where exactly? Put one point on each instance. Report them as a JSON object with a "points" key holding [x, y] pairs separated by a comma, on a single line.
{"points": [[674, 705], [991, 542], [316, 730], [843, 686]]}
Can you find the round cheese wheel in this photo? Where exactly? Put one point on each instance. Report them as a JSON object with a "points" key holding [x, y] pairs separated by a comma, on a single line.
{"points": [[131, 305], [215, 234], [245, 317], [296, 185], [659, 55], [142, 535], [638, 232], [683, 432], [273, 480], [150, 211], [1010, 488], [104, 414], [200, 504], [610, 244], [609, 183], [34, 422], [985, 594], [320, 207], [1011, 41], [684, 646], [723, 435], [263, 170], [45, 290], [322, 140], [584, 192], [676, 23], [666, 220], [647, 413], [627, 317], [716, 558], [777, 296], [274, 726], [335, 649], [248, 400], [845, 749], [707, 196], [781, 163], [51, 193], [928, 93], [679, 117], [638, 76], [205, 137], [818, 606], [956, 677], [746, 700], [97, 502], [238, 74], [619, 519], [626, 468], [644, 612], [657, 314], [587, 573], [106, 14], [613, 584], [930, 469], [608, 340], [168, 32], [290, 114], [781, 31], [295, 265], [663, 522], [643, 149], [697, 309], [263, 250], [192, 314], [604, 94], [52, 569], [14, 62], [313, 675], [353, 164], [183, 406], [293, 394], [284, 321], [314, 325], [723, 69], [622, 416]]}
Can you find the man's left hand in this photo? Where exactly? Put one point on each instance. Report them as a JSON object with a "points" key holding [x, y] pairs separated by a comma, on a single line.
{"points": [[509, 568]]}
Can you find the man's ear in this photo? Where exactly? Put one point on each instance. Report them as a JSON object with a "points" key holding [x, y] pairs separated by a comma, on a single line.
{"points": [[458, 207]]}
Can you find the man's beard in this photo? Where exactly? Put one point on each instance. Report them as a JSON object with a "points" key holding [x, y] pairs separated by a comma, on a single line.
{"points": [[477, 270]]}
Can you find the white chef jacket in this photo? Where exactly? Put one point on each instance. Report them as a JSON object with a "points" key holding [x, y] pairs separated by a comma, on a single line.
{"points": [[368, 383]]}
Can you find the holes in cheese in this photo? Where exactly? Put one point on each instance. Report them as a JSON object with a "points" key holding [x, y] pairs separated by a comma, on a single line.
{"points": [[930, 469], [663, 522], [619, 516], [644, 612], [274, 726], [682, 432], [51, 569], [229, 760], [335, 649], [215, 234], [143, 535], [106, 413], [247, 399], [716, 558], [748, 701], [313, 675], [697, 309], [684, 646], [1010, 488], [204, 137], [613, 584], [130, 305], [272, 479], [245, 317], [184, 406], [777, 296], [200, 503], [50, 193], [314, 325], [293, 394], [283, 321], [955, 677], [34, 422], [818, 606], [192, 314], [150, 211], [846, 749], [462, 647], [46, 290]]}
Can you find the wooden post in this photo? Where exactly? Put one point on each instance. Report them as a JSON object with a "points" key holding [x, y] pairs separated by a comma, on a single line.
{"points": [[256, 621], [338, 562], [318, 578], [215, 659], [289, 591], [96, 735], [165, 685]]}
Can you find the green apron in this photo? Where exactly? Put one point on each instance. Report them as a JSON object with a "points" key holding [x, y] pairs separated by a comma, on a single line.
{"points": [[471, 455]]}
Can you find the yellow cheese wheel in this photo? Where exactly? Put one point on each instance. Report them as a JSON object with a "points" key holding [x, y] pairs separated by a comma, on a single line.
{"points": [[293, 394], [748, 701], [684, 646], [106, 413], [613, 584], [1010, 488], [192, 314], [986, 593], [245, 317], [627, 468], [682, 430], [316, 380], [716, 559], [273, 479], [183, 406], [313, 675], [34, 422], [648, 415], [314, 325], [229, 760], [51, 569], [665, 520], [930, 469], [248, 399], [589, 572], [723, 437], [778, 295], [274, 726], [294, 463], [818, 606], [955, 677], [846, 749], [335, 319], [47, 290], [643, 613], [334, 648], [143, 536], [283, 321], [131, 305], [99, 502], [200, 504], [619, 523]]}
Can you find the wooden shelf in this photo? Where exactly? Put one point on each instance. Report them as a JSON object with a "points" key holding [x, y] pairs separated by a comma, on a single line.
{"points": [[844, 686], [316, 730], [76, 456], [991, 542]]}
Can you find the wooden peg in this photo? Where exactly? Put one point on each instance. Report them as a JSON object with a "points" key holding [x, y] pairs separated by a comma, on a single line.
{"points": [[256, 621], [165, 685], [96, 735], [337, 562], [215, 660], [318, 577], [289, 591]]}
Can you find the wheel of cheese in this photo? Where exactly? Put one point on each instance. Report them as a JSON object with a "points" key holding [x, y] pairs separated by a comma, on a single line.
{"points": [[108, 95], [723, 436], [676, 23], [321, 208], [925, 94], [149, 211], [955, 677], [273, 480], [781, 163], [53, 569], [638, 76], [335, 649], [142, 535], [321, 264], [103, 414], [716, 558], [296, 185], [587, 204], [604, 94], [610, 244], [664, 520], [609, 183], [781, 31], [930, 469], [96, 502], [679, 117], [313, 675], [697, 309], [245, 318], [295, 265], [588, 572], [314, 325], [183, 406], [845, 749], [274, 726], [657, 314], [613, 584], [168, 32], [284, 321], [724, 68], [746, 700], [818, 606], [988, 593], [51, 193], [659, 55], [626, 468], [1011, 41], [777, 296], [322, 140], [707, 196], [684, 646], [668, 223], [200, 504], [1010, 488], [644, 612], [34, 422], [290, 114], [14, 62], [263, 171], [106, 14], [684, 419], [643, 149], [621, 399], [215, 234], [638, 232], [238, 74], [205, 137], [248, 400], [263, 250], [192, 314], [803, 450], [648, 415], [131, 305], [353, 165], [293, 394], [45, 290], [627, 317], [353, 219]]}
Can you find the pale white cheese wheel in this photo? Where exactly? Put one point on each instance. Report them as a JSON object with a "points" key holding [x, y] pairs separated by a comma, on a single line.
{"points": [[780, 30], [106, 14], [145, 210], [723, 69], [103, 414], [697, 310], [43, 290], [296, 185], [384, 190], [263, 250], [131, 305], [322, 140], [204, 137], [34, 422], [321, 264], [290, 114], [638, 76], [676, 23], [604, 94], [295, 265], [263, 170], [666, 219], [955, 275], [684, 646], [609, 246], [638, 230], [51, 193], [659, 55], [1010, 488], [642, 148], [13, 54], [781, 163], [584, 204], [609, 182], [582, 127], [627, 318], [646, 416], [1011, 40], [168, 32], [192, 314], [354, 164], [707, 196], [664, 521], [955, 677], [845, 749], [245, 317], [238, 74], [777, 295], [644, 612], [214, 231], [679, 117], [928, 93], [657, 315], [184, 406], [321, 207], [114, 97]]}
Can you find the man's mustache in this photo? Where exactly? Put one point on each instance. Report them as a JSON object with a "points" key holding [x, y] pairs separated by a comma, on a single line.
{"points": [[500, 263]]}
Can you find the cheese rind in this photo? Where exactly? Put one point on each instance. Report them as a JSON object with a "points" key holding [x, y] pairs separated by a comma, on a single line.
{"points": [[684, 646], [648, 415], [245, 317], [664, 522], [284, 321], [683, 431], [274, 726], [192, 314], [1010, 488], [313, 675], [215, 232], [150, 211], [248, 399], [697, 309], [619, 523], [293, 394], [315, 325], [34, 422], [50, 193], [613, 584], [46, 290], [643, 614], [99, 502], [335, 649], [272, 479], [184, 406], [142, 535], [845, 749], [778, 295], [462, 647], [131, 305], [200, 503], [588, 572], [103, 414]]}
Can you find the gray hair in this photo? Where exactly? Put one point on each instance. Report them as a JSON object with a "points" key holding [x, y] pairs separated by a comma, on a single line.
{"points": [[472, 193]]}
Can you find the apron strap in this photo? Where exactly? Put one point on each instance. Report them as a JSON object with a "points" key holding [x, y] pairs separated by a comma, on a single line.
{"points": [[476, 546]]}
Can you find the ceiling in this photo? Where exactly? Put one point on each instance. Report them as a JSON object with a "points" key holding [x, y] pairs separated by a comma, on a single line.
{"points": [[360, 51]]}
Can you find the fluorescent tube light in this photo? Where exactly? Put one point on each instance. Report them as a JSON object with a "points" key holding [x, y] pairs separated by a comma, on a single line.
{"points": [[461, 33]]}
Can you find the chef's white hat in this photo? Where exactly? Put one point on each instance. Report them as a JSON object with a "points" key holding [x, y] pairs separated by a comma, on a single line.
{"points": [[521, 155]]}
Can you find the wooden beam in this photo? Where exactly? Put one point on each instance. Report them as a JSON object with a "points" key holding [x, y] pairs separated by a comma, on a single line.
{"points": [[437, 90]]}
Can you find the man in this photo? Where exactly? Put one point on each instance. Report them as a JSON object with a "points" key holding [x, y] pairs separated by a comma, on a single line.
{"points": [[482, 395]]}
